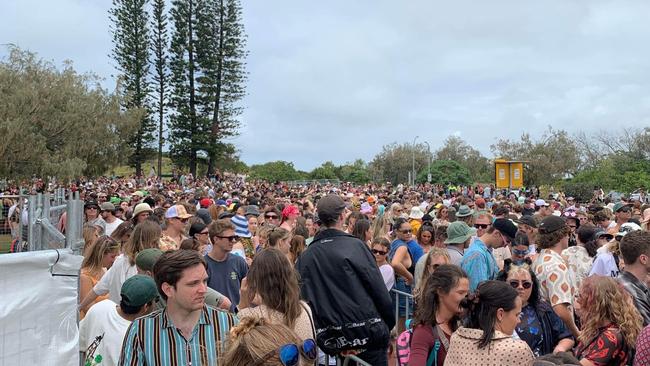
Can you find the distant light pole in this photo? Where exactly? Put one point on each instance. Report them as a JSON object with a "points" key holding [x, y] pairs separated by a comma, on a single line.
{"points": [[428, 166], [413, 161]]}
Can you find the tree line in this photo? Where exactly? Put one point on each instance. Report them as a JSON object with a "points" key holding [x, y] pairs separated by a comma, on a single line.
{"points": [[576, 163], [184, 69]]}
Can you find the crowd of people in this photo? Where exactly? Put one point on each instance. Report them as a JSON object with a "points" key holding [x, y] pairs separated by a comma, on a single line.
{"points": [[224, 271]]}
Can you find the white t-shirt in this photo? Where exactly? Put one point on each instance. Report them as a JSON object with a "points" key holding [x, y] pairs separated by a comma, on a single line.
{"points": [[109, 228], [113, 279], [388, 274], [604, 265], [102, 318]]}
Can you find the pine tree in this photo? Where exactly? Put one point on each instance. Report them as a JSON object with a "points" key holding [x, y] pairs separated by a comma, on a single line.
{"points": [[185, 135], [159, 44], [130, 31], [230, 76], [207, 54]]}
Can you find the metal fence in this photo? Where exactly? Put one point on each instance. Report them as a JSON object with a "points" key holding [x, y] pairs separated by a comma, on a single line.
{"points": [[40, 216]]}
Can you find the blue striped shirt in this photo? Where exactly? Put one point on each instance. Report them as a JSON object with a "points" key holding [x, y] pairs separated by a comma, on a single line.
{"points": [[154, 340], [479, 264]]}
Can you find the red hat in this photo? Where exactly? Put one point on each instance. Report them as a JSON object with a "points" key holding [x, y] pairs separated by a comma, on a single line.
{"points": [[290, 210], [205, 202]]}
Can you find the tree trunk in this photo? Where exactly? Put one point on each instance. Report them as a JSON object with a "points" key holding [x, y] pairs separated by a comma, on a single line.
{"points": [[190, 50], [217, 97]]}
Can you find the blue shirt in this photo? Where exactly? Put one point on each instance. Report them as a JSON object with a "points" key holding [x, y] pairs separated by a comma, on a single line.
{"points": [[154, 340], [414, 250], [479, 264], [225, 277]]}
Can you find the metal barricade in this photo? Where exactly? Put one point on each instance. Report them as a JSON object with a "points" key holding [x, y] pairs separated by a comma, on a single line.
{"points": [[408, 313]]}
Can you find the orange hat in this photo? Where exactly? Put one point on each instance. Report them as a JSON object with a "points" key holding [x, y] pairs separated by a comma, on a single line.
{"points": [[370, 199]]}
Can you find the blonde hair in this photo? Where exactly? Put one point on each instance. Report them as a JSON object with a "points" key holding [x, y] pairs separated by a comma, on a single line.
{"points": [[426, 272], [603, 300], [145, 235], [254, 338], [90, 235], [95, 253]]}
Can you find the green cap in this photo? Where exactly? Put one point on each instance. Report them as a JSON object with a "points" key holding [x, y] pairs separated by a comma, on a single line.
{"points": [[138, 290], [458, 232], [147, 258], [619, 205]]}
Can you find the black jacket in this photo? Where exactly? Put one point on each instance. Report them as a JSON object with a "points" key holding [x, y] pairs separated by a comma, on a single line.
{"points": [[341, 282]]}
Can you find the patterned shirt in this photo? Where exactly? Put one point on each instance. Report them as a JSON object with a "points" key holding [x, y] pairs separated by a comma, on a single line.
{"points": [[642, 357], [479, 264], [168, 243], [579, 263], [154, 340], [556, 281], [608, 348]]}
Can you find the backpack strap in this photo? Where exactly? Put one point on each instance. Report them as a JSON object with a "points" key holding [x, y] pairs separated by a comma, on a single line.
{"points": [[441, 341]]}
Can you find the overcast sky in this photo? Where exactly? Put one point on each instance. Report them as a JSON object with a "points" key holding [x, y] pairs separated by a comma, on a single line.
{"points": [[338, 80]]}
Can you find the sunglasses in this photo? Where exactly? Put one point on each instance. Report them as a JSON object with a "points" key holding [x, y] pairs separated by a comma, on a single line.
{"points": [[181, 220], [271, 216], [375, 251], [481, 226], [520, 253], [505, 239], [525, 284], [230, 238], [289, 354], [406, 231]]}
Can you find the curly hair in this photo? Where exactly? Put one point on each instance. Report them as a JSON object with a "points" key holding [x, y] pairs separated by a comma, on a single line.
{"points": [[604, 300], [545, 241]]}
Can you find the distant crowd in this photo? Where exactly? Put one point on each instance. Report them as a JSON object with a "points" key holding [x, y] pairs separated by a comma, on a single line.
{"points": [[227, 271]]}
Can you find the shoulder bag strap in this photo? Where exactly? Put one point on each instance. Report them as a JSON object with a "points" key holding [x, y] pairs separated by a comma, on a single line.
{"points": [[313, 329]]}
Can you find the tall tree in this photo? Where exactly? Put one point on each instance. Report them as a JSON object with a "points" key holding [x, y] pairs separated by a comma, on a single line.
{"points": [[130, 29], [223, 62], [394, 162], [456, 149], [159, 45]]}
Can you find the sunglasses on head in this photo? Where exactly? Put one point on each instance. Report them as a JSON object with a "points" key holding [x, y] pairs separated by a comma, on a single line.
{"points": [[525, 284], [481, 226], [289, 354], [375, 251], [230, 238]]}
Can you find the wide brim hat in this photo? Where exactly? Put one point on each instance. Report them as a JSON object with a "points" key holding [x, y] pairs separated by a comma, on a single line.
{"points": [[140, 208], [416, 213], [458, 232]]}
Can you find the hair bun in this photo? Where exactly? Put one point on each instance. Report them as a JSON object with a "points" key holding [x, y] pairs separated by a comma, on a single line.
{"points": [[245, 325]]}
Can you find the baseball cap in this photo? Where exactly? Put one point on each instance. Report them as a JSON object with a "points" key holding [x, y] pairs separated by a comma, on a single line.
{"points": [[551, 224], [147, 258], [138, 290], [506, 227], [329, 207], [628, 227], [107, 206], [177, 211], [527, 220], [91, 203], [458, 232], [540, 202], [205, 202], [619, 206]]}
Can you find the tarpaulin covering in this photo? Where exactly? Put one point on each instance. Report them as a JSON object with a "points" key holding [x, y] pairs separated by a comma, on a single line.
{"points": [[38, 308]]}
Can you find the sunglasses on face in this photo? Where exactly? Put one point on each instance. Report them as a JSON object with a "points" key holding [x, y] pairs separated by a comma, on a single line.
{"points": [[525, 284], [405, 231], [271, 216], [182, 220], [289, 354], [520, 253], [481, 226], [375, 251], [230, 238]]}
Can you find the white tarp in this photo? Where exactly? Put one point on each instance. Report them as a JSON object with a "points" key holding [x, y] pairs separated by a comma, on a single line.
{"points": [[38, 308]]}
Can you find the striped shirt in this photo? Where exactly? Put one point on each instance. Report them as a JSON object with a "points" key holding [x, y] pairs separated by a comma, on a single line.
{"points": [[154, 340]]}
